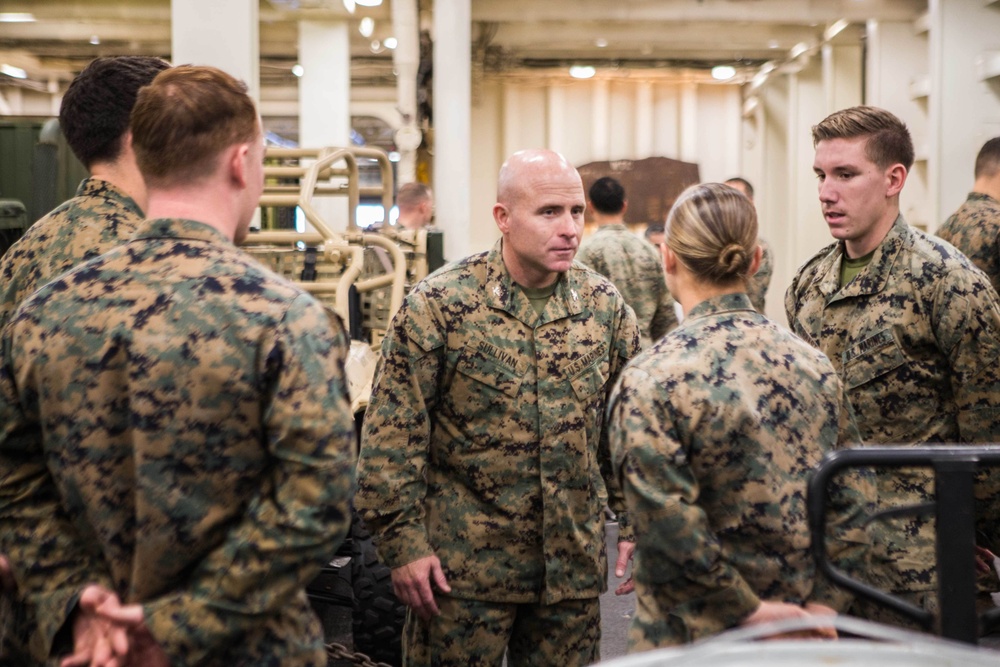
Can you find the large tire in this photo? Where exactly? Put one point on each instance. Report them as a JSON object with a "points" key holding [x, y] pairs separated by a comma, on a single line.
{"points": [[378, 614]]}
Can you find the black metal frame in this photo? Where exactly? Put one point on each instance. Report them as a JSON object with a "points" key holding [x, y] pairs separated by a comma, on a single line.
{"points": [[955, 469]]}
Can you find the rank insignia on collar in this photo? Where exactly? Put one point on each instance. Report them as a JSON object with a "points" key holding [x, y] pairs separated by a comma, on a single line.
{"points": [[497, 291]]}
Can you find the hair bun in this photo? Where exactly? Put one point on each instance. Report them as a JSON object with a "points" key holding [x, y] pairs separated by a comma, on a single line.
{"points": [[732, 260]]}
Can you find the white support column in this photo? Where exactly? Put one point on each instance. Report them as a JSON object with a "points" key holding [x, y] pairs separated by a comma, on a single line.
{"points": [[324, 99], [196, 38], [555, 118], [406, 60], [643, 120], [452, 135], [689, 122], [602, 113], [511, 118]]}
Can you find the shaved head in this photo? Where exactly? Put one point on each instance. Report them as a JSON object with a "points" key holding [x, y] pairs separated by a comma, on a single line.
{"points": [[524, 167]]}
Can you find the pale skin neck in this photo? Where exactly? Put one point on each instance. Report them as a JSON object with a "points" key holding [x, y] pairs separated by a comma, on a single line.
{"points": [[123, 175], [603, 219], [860, 247], [205, 202], [988, 185], [524, 276], [409, 221]]}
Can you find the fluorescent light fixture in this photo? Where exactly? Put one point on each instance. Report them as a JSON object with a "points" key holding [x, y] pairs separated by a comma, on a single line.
{"points": [[390, 43], [723, 72], [369, 3], [582, 71], [95, 40], [367, 26], [12, 71], [298, 70], [17, 17]]}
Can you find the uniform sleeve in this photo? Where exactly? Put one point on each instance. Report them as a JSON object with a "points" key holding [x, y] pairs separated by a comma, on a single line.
{"points": [[665, 317], [48, 555], [852, 500], [302, 512], [680, 561], [395, 441], [624, 347]]}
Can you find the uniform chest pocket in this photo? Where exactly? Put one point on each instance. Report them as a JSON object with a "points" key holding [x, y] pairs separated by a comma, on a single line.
{"points": [[872, 358], [485, 370], [588, 382]]}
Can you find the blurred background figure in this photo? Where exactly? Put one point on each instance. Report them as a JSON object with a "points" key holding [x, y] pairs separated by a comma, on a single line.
{"points": [[416, 206]]}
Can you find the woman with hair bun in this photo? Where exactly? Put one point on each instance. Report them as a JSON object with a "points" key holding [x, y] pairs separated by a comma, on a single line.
{"points": [[714, 431]]}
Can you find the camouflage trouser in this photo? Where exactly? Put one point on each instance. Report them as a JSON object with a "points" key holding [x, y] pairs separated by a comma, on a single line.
{"points": [[15, 627], [472, 633]]}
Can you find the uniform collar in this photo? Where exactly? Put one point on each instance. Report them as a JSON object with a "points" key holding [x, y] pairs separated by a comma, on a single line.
{"points": [[176, 228], [503, 293], [611, 227], [721, 304], [96, 187], [981, 196], [873, 277]]}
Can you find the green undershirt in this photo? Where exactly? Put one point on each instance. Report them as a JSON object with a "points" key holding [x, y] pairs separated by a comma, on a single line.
{"points": [[852, 267], [539, 296]]}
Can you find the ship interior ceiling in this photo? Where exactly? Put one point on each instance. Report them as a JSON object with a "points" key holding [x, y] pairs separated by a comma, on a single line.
{"points": [[49, 41]]}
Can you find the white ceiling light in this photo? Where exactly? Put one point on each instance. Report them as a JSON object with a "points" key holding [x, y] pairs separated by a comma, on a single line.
{"points": [[298, 70], [17, 17], [582, 71], [369, 3], [723, 72], [95, 40], [600, 42], [390, 42], [367, 26], [12, 71], [349, 6]]}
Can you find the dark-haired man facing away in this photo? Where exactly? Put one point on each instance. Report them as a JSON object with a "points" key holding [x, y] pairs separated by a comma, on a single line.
{"points": [[627, 261], [106, 210]]}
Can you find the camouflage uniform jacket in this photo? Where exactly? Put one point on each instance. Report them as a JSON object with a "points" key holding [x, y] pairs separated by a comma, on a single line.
{"points": [[759, 282], [915, 338], [484, 444], [636, 269], [98, 218], [975, 230], [175, 427], [714, 431]]}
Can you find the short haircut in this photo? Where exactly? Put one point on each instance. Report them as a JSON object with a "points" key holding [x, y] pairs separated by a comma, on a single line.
{"points": [[411, 195], [988, 160], [654, 228], [742, 181], [888, 140], [607, 196], [712, 228], [185, 118], [94, 113]]}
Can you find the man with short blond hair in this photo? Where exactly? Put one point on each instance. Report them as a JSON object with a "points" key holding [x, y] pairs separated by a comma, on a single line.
{"points": [[176, 430]]}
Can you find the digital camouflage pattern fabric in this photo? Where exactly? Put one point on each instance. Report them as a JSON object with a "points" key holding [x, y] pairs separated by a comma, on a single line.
{"points": [[975, 230], [714, 432], [97, 219], [915, 337], [636, 269], [484, 443], [567, 634], [175, 426], [759, 282]]}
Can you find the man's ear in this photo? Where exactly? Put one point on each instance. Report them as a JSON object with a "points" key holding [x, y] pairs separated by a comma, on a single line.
{"points": [[501, 214], [236, 160], [895, 180]]}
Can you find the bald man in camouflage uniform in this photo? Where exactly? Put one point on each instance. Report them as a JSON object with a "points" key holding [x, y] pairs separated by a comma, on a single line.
{"points": [[912, 327], [975, 227], [483, 451], [714, 471], [176, 434], [629, 262], [105, 212]]}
